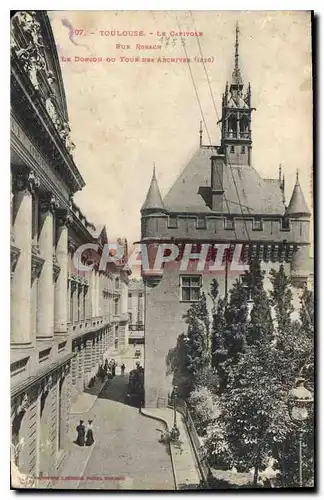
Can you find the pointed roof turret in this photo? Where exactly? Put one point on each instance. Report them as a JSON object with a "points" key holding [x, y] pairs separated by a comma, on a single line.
{"points": [[153, 199], [237, 80], [297, 204]]}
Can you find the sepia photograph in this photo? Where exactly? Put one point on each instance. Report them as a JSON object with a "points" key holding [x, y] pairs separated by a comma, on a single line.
{"points": [[162, 250]]}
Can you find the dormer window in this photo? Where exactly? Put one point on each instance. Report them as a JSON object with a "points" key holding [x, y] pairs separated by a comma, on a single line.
{"points": [[257, 224]]}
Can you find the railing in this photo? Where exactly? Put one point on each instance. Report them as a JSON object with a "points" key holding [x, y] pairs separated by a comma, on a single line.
{"points": [[182, 407]]}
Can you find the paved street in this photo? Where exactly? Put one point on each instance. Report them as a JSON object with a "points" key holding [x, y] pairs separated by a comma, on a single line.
{"points": [[126, 444], [126, 453]]}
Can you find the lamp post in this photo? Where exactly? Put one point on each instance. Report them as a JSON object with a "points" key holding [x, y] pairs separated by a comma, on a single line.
{"points": [[300, 402], [175, 433], [174, 406]]}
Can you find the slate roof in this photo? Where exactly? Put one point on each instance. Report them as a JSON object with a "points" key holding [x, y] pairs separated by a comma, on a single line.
{"points": [[297, 204], [191, 191], [153, 199]]}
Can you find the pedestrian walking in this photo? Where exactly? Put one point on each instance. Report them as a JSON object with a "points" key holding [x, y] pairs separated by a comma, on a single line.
{"points": [[81, 433], [102, 374], [89, 436], [113, 369], [122, 370]]}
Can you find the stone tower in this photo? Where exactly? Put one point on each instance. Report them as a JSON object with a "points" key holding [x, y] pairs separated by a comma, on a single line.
{"points": [[236, 139]]}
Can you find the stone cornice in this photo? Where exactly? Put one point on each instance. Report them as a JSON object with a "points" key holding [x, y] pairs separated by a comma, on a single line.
{"points": [[31, 105], [30, 156], [34, 379], [82, 233]]}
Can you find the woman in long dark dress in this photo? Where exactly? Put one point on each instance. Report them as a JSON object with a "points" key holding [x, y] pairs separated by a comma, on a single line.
{"points": [[81, 433], [89, 437]]}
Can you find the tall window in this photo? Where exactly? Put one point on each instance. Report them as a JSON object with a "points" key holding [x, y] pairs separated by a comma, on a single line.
{"points": [[79, 303], [71, 302], [84, 303], [116, 306], [61, 413], [190, 288], [117, 283]]}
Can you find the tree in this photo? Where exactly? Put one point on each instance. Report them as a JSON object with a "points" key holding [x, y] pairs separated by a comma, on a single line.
{"points": [[191, 357], [265, 352], [294, 358], [204, 408], [260, 328]]}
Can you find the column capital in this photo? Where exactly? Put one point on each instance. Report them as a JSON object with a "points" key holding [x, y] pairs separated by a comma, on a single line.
{"points": [[14, 255], [23, 404], [48, 203], [72, 246], [25, 181], [36, 267], [64, 218], [47, 384]]}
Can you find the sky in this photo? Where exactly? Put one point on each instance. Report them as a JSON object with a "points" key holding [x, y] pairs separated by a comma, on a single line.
{"points": [[126, 116]]}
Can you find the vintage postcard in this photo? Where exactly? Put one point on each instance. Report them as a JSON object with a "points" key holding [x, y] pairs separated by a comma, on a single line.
{"points": [[162, 311]]}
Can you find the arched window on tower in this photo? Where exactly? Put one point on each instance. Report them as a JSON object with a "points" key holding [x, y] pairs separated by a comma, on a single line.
{"points": [[232, 126], [244, 127]]}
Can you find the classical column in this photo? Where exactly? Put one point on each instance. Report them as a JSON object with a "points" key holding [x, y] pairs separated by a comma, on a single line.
{"points": [[61, 302], [74, 368], [21, 334], [93, 353], [87, 364], [97, 293], [87, 301], [93, 293], [45, 310]]}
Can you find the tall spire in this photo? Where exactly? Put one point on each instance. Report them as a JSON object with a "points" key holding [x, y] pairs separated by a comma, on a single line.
{"points": [[237, 30], [153, 201], [236, 75]]}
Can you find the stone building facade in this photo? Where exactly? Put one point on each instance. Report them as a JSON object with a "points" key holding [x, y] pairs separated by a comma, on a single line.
{"points": [[136, 311], [221, 200], [62, 319]]}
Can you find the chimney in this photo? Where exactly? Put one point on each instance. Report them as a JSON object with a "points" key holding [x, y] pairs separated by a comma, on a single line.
{"points": [[217, 179]]}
